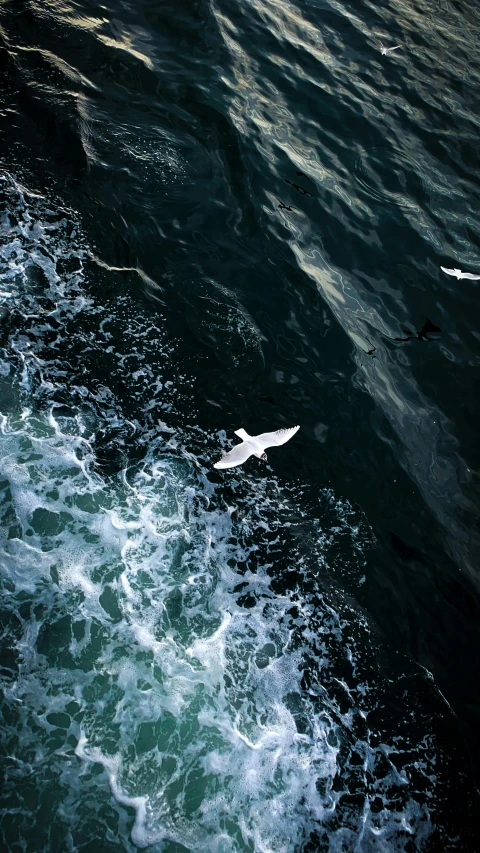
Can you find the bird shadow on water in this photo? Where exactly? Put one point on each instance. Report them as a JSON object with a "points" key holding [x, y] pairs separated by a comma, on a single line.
{"points": [[422, 335]]}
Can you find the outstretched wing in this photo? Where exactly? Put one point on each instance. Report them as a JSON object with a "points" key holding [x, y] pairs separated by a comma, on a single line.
{"points": [[449, 272], [470, 275], [236, 456], [389, 49], [272, 439]]}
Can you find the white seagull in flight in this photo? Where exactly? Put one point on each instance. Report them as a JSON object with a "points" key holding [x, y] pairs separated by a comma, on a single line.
{"points": [[459, 274], [385, 50], [254, 445]]}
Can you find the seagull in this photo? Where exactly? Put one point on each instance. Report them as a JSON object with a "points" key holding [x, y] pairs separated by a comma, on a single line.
{"points": [[459, 274], [254, 445], [385, 50]]}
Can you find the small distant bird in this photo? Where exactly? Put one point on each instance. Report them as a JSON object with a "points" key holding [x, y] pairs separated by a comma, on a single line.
{"points": [[459, 274], [385, 50], [254, 445]]}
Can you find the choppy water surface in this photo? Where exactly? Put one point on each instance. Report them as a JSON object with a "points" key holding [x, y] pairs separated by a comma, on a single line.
{"points": [[218, 215]]}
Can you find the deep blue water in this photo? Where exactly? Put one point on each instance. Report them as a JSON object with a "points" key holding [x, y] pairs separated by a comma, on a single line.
{"points": [[218, 215]]}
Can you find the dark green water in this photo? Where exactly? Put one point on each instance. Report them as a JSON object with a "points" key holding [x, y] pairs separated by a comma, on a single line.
{"points": [[222, 215]]}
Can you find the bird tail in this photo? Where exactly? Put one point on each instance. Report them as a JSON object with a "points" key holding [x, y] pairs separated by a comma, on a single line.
{"points": [[242, 434]]}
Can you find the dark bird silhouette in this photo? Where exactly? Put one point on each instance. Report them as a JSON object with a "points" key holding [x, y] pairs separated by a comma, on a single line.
{"points": [[300, 189], [427, 328]]}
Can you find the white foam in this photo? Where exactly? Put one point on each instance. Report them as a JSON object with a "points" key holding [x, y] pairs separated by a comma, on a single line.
{"points": [[112, 766], [190, 700]]}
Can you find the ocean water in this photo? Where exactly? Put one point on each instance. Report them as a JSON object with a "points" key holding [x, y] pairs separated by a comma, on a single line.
{"points": [[216, 215]]}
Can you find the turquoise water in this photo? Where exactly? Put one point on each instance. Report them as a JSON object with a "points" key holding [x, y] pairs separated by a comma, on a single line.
{"points": [[154, 684]]}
